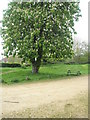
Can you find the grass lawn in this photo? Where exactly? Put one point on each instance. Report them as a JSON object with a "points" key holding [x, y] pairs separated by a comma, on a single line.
{"points": [[51, 71]]}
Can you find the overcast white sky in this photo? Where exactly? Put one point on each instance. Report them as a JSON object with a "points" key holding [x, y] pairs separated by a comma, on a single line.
{"points": [[81, 26]]}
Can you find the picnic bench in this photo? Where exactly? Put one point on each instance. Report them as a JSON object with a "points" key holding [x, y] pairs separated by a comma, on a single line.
{"points": [[69, 73]]}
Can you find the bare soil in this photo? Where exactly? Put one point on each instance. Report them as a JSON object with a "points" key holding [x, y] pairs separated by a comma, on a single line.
{"points": [[46, 99]]}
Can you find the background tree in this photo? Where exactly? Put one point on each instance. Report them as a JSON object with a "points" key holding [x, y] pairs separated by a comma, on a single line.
{"points": [[36, 30], [80, 52]]}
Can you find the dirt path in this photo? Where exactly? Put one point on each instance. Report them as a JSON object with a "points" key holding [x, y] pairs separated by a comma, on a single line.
{"points": [[32, 95]]}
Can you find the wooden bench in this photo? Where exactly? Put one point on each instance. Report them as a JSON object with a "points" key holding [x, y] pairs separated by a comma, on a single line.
{"points": [[69, 73]]}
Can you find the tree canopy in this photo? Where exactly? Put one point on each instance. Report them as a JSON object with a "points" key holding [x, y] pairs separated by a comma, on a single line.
{"points": [[37, 30]]}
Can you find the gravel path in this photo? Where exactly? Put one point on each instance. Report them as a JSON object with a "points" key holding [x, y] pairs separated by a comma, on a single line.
{"points": [[32, 95]]}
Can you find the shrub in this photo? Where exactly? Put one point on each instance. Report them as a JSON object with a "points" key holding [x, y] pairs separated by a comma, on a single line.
{"points": [[15, 81], [28, 65], [23, 66], [3, 81], [10, 65], [70, 62]]}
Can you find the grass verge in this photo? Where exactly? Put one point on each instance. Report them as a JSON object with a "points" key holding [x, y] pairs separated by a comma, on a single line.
{"points": [[51, 71]]}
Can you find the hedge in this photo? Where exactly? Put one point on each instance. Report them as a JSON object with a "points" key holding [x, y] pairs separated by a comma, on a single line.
{"points": [[10, 65]]}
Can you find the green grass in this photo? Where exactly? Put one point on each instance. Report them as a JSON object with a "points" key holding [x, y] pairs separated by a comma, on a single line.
{"points": [[51, 71]]}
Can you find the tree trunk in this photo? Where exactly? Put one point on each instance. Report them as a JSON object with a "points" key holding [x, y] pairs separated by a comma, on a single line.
{"points": [[35, 68]]}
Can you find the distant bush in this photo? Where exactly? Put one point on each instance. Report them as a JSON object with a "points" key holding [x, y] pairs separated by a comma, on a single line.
{"points": [[23, 66], [10, 65], [51, 61], [78, 60], [70, 62], [28, 65]]}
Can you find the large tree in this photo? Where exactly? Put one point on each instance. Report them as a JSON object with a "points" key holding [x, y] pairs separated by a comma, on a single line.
{"points": [[36, 30]]}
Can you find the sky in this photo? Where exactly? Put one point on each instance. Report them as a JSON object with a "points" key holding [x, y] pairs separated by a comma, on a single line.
{"points": [[81, 26]]}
